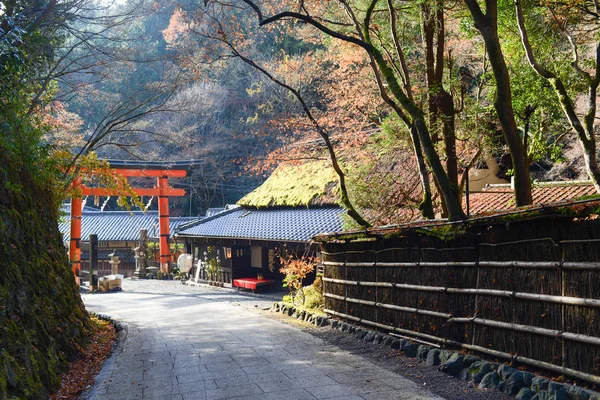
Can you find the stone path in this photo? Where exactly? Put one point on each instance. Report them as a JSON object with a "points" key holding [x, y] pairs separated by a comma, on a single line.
{"points": [[207, 343]]}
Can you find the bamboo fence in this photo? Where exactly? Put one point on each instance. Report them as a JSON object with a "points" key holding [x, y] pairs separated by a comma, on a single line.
{"points": [[524, 291]]}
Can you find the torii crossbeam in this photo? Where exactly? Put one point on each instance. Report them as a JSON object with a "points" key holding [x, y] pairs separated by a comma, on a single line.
{"points": [[162, 190]]}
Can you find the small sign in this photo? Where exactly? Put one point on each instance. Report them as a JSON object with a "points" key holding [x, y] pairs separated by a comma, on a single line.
{"points": [[271, 260]]}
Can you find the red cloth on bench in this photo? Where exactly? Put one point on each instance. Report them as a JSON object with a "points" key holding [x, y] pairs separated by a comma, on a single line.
{"points": [[251, 283]]}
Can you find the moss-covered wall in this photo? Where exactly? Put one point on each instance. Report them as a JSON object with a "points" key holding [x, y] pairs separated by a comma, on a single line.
{"points": [[42, 317]]}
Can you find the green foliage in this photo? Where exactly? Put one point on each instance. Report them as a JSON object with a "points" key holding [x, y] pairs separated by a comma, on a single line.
{"points": [[213, 263], [312, 295]]}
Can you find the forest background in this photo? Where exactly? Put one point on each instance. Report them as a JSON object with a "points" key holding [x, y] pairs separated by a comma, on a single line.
{"points": [[404, 95]]}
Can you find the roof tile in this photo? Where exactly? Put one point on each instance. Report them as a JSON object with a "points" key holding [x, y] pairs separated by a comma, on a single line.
{"points": [[293, 224], [119, 225], [503, 199]]}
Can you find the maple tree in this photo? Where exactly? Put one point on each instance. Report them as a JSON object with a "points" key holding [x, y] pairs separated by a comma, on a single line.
{"points": [[209, 26], [208, 105], [390, 88]]}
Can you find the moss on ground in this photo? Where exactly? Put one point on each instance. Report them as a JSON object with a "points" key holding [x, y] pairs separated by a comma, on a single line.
{"points": [[289, 185], [313, 297], [42, 318]]}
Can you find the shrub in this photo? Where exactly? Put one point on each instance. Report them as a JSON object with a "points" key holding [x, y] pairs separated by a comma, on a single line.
{"points": [[295, 270]]}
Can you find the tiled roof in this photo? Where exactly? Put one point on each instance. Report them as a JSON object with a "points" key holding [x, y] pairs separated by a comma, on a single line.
{"points": [[285, 224], [501, 199], [66, 207], [174, 223], [119, 225], [214, 211]]}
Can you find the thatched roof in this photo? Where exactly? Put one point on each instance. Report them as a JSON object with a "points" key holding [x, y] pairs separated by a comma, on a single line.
{"points": [[309, 184]]}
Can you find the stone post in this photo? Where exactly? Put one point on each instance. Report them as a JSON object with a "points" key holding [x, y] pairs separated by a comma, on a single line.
{"points": [[93, 262]]}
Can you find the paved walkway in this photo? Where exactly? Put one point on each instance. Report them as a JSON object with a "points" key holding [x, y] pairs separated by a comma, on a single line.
{"points": [[207, 343]]}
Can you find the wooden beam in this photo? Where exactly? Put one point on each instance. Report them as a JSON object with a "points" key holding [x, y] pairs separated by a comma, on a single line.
{"points": [[169, 191], [152, 173]]}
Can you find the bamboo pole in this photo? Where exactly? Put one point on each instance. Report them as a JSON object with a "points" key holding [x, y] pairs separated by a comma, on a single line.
{"points": [[479, 321], [581, 265], [474, 264], [394, 329], [575, 337], [476, 299], [547, 239], [447, 248], [536, 363], [563, 308], [581, 241], [437, 346], [496, 353], [573, 301], [389, 306]]}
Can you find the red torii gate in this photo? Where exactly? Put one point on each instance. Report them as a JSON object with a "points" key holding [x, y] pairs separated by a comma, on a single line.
{"points": [[162, 190]]}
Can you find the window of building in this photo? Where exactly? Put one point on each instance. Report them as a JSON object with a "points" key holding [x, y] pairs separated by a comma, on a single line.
{"points": [[256, 257]]}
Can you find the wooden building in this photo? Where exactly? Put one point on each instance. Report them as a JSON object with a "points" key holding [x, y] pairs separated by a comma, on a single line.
{"points": [[278, 218], [250, 241]]}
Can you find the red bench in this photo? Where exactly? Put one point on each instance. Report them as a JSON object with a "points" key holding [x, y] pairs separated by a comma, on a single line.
{"points": [[252, 283]]}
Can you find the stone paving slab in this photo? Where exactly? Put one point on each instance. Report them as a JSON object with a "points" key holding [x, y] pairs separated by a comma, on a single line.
{"points": [[209, 344]]}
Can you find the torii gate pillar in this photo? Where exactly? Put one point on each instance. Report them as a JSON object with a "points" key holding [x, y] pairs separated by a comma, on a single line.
{"points": [[163, 217], [75, 240]]}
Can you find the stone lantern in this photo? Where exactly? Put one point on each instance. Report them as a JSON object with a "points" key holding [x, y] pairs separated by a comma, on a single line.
{"points": [[114, 263], [140, 262]]}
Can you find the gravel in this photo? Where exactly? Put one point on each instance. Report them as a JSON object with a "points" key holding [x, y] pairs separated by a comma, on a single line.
{"points": [[435, 381]]}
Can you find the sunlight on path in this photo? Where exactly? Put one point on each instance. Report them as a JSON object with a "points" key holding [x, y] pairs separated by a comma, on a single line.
{"points": [[207, 344]]}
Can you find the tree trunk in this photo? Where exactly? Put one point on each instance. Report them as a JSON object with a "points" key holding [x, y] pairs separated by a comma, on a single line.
{"points": [[428, 29], [504, 109], [417, 117], [487, 25], [591, 162], [446, 107], [440, 102], [426, 205], [449, 191]]}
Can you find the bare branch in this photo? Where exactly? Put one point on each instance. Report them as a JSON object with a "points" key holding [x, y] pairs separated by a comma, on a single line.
{"points": [[575, 64], [394, 30]]}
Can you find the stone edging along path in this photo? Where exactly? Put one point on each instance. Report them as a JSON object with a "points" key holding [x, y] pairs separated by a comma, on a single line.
{"points": [[486, 375]]}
